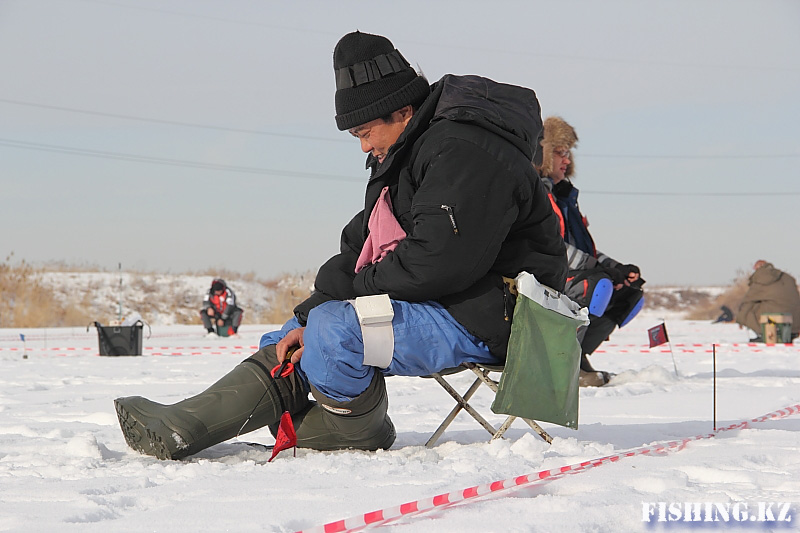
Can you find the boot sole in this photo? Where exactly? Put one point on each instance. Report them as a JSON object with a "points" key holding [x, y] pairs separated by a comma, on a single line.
{"points": [[145, 436]]}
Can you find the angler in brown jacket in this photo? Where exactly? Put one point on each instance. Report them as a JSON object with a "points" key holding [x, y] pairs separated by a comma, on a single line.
{"points": [[770, 291]]}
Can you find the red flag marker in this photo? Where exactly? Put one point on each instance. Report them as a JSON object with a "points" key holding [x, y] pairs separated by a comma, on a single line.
{"points": [[658, 335], [286, 437]]}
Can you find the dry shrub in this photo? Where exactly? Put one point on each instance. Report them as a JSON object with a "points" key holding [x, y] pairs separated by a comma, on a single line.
{"points": [[185, 306], [731, 298], [151, 298], [287, 292], [676, 299], [225, 274], [28, 304], [31, 301], [63, 266]]}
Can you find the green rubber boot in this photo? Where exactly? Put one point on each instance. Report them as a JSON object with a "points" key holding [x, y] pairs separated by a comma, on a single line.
{"points": [[361, 423], [245, 399]]}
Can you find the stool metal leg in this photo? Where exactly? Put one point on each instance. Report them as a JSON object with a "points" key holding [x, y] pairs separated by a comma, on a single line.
{"points": [[483, 375], [462, 402]]}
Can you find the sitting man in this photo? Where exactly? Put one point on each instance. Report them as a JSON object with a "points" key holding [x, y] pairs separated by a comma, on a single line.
{"points": [[769, 291], [452, 206], [220, 312], [610, 290]]}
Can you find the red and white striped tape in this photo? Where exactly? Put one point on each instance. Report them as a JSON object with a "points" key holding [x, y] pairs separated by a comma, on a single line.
{"points": [[702, 344], [748, 347], [147, 350], [729, 347], [442, 501]]}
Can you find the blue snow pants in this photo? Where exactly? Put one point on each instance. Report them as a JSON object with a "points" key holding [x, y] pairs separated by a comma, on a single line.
{"points": [[426, 340]]}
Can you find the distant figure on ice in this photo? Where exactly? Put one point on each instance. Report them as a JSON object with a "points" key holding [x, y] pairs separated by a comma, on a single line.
{"points": [[612, 291], [769, 291], [220, 312], [452, 206], [726, 315]]}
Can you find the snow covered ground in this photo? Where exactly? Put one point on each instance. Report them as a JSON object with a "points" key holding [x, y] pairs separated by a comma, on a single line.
{"points": [[64, 465]]}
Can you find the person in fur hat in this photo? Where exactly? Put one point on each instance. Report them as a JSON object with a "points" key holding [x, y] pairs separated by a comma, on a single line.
{"points": [[452, 206], [609, 289]]}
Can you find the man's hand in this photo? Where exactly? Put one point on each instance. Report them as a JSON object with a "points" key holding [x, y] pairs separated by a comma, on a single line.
{"points": [[210, 311], [622, 275], [631, 273], [220, 322], [292, 339]]}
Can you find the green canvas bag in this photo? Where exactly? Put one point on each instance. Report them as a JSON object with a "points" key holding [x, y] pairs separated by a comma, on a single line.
{"points": [[540, 379]]}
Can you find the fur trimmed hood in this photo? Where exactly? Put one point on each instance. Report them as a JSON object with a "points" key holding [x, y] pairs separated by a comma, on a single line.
{"points": [[557, 134]]}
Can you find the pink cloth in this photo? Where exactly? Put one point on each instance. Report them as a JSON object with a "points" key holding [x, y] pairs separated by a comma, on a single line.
{"points": [[384, 235]]}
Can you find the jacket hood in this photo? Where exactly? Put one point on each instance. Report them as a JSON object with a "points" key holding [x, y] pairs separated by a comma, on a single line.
{"points": [[557, 134], [510, 111], [766, 275]]}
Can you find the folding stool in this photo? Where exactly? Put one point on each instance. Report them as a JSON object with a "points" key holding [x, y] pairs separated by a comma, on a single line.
{"points": [[545, 324], [462, 402]]}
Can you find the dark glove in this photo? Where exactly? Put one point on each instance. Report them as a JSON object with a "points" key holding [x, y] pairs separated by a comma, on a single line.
{"points": [[632, 269], [627, 270], [616, 275]]}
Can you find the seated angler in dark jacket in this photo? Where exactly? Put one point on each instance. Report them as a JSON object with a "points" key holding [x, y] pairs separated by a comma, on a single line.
{"points": [[452, 205], [609, 289], [219, 311]]}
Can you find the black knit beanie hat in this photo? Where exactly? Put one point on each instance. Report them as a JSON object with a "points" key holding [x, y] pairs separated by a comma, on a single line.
{"points": [[372, 80]]}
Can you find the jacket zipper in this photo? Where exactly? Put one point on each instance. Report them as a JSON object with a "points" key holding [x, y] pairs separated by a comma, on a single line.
{"points": [[449, 211]]}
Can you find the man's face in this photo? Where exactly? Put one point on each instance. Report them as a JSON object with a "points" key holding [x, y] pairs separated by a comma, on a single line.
{"points": [[561, 160], [378, 135]]}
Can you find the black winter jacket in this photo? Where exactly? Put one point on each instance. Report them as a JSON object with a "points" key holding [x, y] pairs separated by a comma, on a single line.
{"points": [[465, 192]]}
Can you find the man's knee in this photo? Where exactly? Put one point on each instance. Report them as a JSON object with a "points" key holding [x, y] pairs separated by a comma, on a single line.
{"points": [[591, 289], [333, 355], [333, 328]]}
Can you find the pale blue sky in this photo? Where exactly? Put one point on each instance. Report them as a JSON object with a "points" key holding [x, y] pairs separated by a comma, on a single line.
{"points": [[185, 134]]}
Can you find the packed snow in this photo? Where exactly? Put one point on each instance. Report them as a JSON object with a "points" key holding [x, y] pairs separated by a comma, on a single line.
{"points": [[64, 465]]}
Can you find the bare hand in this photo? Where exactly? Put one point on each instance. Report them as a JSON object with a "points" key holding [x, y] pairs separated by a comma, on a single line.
{"points": [[220, 322], [210, 311], [292, 339]]}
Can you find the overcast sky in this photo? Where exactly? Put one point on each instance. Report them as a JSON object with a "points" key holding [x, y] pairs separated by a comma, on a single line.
{"points": [[184, 134]]}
